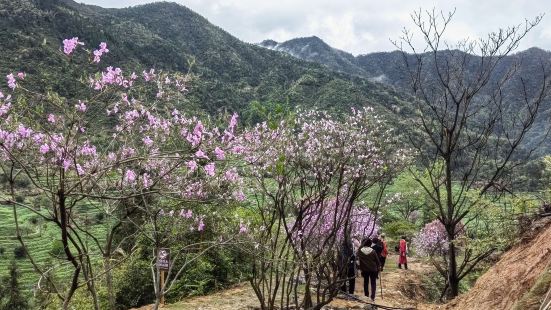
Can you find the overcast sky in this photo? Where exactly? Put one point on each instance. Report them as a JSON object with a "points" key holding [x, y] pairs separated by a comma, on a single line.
{"points": [[360, 26]]}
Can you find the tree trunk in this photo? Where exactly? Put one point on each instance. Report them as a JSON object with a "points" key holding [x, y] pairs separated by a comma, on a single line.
{"points": [[109, 281], [453, 279], [307, 302]]}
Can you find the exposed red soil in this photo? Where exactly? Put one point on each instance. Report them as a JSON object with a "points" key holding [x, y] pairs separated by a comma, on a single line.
{"points": [[511, 277]]}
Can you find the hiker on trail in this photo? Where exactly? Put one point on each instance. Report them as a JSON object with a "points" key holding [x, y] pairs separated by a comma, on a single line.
{"points": [[369, 265], [384, 253], [347, 266], [378, 247], [403, 251]]}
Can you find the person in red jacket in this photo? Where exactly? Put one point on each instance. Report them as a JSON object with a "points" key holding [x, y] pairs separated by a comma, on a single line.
{"points": [[384, 253], [403, 251]]}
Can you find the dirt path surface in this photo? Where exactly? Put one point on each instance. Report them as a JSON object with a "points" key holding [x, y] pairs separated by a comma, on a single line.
{"points": [[400, 289], [499, 288]]}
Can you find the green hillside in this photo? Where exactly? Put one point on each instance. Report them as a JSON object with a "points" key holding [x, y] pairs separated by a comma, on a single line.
{"points": [[229, 73]]}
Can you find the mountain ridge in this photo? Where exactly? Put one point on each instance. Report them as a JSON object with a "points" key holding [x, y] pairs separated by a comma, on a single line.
{"points": [[231, 74], [388, 68]]}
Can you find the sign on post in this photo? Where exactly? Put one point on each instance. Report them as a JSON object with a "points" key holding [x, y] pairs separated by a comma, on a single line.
{"points": [[163, 258]]}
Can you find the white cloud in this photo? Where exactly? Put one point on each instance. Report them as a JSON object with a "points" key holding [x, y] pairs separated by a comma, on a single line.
{"points": [[359, 26]]}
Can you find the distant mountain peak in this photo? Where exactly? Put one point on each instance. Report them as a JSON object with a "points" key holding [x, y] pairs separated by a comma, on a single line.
{"points": [[268, 43], [314, 49]]}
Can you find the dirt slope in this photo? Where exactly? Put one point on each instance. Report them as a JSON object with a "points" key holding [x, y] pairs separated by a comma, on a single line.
{"points": [[512, 276]]}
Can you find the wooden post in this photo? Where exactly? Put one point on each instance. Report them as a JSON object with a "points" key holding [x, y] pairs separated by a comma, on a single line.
{"points": [[162, 288], [163, 263]]}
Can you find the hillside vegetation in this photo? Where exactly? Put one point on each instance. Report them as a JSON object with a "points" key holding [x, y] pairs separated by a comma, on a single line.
{"points": [[230, 74]]}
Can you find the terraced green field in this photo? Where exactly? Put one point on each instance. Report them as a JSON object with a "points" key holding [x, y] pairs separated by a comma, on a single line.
{"points": [[40, 237]]}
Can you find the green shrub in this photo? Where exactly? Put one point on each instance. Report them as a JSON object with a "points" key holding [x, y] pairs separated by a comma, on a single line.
{"points": [[34, 220], [19, 252], [217, 269], [22, 182], [82, 300], [57, 249], [433, 284], [133, 284], [100, 217], [395, 230]]}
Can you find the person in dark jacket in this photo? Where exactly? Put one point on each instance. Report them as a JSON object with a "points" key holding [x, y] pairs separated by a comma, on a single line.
{"points": [[369, 266], [377, 246], [347, 267]]}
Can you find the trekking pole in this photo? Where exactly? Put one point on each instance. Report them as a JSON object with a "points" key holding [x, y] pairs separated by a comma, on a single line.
{"points": [[381, 284]]}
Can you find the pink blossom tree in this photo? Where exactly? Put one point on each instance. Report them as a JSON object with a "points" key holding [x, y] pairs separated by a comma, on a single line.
{"points": [[306, 176], [122, 149], [432, 242]]}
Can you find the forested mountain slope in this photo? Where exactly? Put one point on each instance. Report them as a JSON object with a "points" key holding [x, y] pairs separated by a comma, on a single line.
{"points": [[389, 68], [230, 74]]}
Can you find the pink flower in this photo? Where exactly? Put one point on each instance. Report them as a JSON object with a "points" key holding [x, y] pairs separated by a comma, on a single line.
{"points": [[66, 164], [11, 81], [201, 154], [111, 156], [198, 130], [219, 153], [147, 76], [88, 150], [21, 75], [239, 196], [23, 131], [5, 108], [146, 180], [129, 176], [147, 141], [69, 45], [187, 215], [80, 170], [51, 118], [209, 169], [192, 165], [233, 122], [200, 225], [44, 148], [80, 106], [231, 175], [99, 52], [243, 228]]}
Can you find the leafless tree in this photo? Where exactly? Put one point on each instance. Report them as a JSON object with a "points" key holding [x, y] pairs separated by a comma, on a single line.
{"points": [[475, 110]]}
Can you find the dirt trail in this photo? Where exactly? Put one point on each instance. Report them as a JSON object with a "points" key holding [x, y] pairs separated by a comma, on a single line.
{"points": [[499, 288], [400, 289]]}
